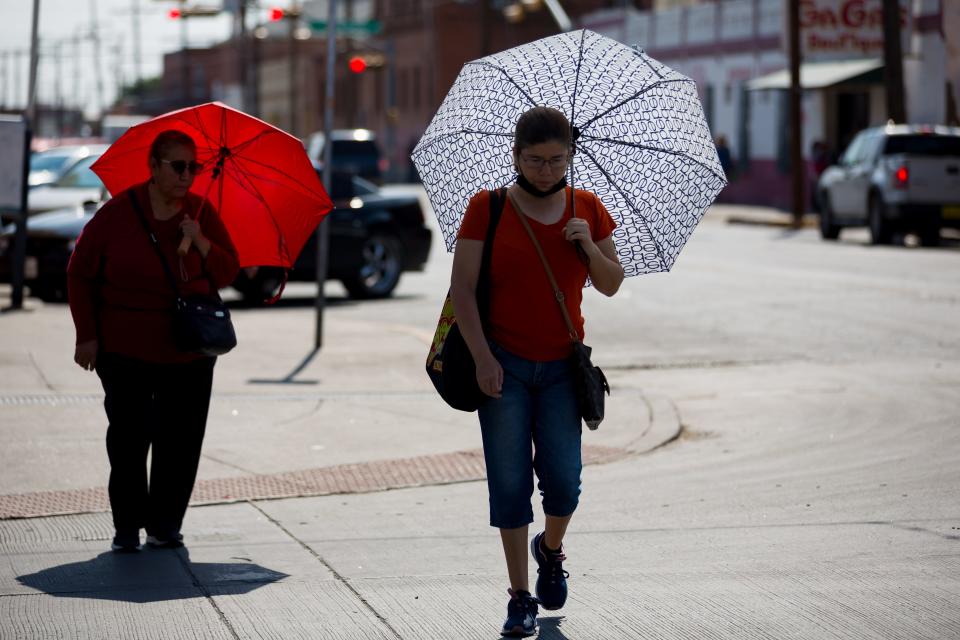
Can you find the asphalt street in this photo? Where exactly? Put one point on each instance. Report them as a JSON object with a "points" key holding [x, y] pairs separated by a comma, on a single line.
{"points": [[780, 461]]}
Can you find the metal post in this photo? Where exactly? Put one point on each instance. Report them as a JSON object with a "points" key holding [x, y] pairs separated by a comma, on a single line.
{"points": [[137, 58], [20, 235], [323, 230], [796, 125], [893, 62], [294, 94]]}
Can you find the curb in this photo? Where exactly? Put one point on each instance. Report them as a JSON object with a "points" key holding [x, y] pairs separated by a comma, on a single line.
{"points": [[366, 477]]}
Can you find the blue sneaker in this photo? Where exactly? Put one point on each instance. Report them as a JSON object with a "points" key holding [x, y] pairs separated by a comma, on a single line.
{"points": [[521, 615], [551, 578]]}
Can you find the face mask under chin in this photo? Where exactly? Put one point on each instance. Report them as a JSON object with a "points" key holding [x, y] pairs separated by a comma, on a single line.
{"points": [[527, 186]]}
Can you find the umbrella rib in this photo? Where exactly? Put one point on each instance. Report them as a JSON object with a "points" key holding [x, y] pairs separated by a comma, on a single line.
{"points": [[249, 187], [633, 97], [660, 150], [461, 132], [203, 130], [507, 76], [282, 173], [576, 79], [629, 201], [646, 59]]}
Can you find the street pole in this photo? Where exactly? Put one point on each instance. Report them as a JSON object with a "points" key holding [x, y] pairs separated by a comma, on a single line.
{"points": [[293, 19], [17, 275], [893, 62], [323, 229], [798, 174]]}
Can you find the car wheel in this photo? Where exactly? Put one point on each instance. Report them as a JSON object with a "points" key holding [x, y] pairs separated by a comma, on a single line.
{"points": [[880, 232], [930, 236], [380, 271], [829, 230]]}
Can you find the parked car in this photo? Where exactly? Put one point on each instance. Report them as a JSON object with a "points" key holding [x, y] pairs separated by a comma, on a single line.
{"points": [[49, 165], [77, 186], [354, 151], [895, 178], [373, 239]]}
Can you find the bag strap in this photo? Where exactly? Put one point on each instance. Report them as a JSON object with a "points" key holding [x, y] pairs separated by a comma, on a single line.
{"points": [[497, 200], [154, 242], [546, 266]]}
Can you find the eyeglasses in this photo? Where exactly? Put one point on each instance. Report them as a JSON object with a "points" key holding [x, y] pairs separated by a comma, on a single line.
{"points": [[179, 166], [536, 162]]}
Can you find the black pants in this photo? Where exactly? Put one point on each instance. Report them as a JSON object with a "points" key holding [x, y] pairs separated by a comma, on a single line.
{"points": [[163, 406]]}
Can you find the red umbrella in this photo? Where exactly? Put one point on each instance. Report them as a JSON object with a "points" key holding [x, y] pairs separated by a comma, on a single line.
{"points": [[258, 177]]}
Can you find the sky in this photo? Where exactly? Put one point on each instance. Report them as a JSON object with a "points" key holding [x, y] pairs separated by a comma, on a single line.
{"points": [[61, 21]]}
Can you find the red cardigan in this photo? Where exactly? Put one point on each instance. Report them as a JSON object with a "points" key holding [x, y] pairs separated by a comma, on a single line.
{"points": [[118, 291]]}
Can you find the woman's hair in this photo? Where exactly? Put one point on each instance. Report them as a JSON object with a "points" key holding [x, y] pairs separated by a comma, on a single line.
{"points": [[170, 138], [539, 125]]}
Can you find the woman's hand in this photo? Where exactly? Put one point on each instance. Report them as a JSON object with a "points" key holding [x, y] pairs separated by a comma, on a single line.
{"points": [[85, 355], [579, 229], [191, 230], [490, 375]]}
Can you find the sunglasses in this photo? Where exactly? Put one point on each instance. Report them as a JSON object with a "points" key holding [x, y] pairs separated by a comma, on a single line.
{"points": [[179, 166]]}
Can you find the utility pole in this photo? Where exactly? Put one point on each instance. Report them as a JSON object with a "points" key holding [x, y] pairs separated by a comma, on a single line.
{"points": [[294, 96], [893, 61], [97, 66], [798, 173], [137, 60]]}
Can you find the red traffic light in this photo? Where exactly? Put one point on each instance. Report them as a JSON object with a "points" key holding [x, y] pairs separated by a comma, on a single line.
{"points": [[276, 14], [174, 14], [357, 64]]}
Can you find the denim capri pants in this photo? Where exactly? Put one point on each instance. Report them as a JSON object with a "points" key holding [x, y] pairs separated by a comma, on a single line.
{"points": [[533, 426]]}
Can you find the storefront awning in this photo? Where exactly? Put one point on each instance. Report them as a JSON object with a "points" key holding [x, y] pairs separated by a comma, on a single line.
{"points": [[819, 75]]}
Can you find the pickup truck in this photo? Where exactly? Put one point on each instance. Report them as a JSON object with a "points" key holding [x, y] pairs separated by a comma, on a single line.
{"points": [[894, 179]]}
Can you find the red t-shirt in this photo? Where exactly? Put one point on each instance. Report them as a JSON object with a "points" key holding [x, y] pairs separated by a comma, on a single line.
{"points": [[118, 291], [524, 316]]}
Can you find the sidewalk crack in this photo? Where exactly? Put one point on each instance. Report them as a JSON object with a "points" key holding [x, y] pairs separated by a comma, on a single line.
{"points": [[206, 594], [336, 574]]}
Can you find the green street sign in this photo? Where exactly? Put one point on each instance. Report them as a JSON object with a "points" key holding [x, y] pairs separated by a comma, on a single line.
{"points": [[367, 26]]}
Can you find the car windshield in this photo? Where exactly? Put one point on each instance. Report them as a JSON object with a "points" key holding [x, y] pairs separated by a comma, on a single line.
{"points": [[81, 176], [48, 161], [355, 152], [924, 145]]}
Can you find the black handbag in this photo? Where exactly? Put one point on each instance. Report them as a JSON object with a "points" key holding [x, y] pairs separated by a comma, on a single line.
{"points": [[590, 383], [450, 364], [200, 324]]}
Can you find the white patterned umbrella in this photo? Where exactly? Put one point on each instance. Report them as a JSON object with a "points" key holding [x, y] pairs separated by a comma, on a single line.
{"points": [[644, 146]]}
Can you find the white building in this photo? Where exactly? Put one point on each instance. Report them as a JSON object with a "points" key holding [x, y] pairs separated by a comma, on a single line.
{"points": [[736, 51]]}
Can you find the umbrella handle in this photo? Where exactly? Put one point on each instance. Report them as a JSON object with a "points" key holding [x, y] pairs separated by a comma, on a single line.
{"points": [[184, 247]]}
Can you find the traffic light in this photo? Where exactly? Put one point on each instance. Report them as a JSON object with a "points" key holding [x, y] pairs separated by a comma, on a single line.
{"points": [[276, 14], [174, 14], [357, 64], [197, 11]]}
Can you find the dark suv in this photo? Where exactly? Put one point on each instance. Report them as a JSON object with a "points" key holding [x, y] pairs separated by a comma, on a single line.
{"points": [[354, 151]]}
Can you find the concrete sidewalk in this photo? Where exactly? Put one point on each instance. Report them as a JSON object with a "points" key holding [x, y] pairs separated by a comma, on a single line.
{"points": [[803, 498]]}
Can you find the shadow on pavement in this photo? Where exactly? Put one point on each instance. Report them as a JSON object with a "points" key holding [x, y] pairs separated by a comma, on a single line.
{"points": [[550, 628], [152, 575]]}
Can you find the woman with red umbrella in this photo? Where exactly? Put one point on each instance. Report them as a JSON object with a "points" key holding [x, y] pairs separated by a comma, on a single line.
{"points": [[122, 303]]}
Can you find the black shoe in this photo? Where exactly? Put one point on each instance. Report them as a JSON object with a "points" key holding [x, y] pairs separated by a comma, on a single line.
{"points": [[521, 615], [126, 542], [551, 578], [165, 541]]}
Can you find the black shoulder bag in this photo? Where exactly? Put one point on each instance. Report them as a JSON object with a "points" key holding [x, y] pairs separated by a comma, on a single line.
{"points": [[589, 381], [450, 364], [200, 324]]}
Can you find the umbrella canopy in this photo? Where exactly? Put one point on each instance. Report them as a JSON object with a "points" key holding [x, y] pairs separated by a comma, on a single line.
{"points": [[258, 177], [644, 146]]}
